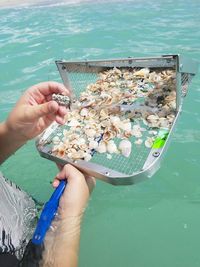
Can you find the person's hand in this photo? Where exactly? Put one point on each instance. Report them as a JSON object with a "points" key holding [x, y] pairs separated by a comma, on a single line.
{"points": [[77, 191], [62, 239], [36, 110]]}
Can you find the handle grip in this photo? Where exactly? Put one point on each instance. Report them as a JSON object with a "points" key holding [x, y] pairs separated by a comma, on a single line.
{"points": [[48, 214]]}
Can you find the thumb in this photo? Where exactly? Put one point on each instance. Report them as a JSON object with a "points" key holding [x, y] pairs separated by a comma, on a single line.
{"points": [[35, 112]]}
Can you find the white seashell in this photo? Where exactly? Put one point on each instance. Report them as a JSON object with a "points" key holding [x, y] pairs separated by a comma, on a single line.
{"points": [[104, 113], [145, 122], [125, 147], [91, 113], [111, 147], [138, 142], [171, 118], [90, 132], [127, 134], [105, 95], [101, 147], [83, 147], [66, 141], [172, 105], [56, 140], [126, 126], [73, 137], [136, 132], [154, 124], [78, 154], [87, 157], [71, 150], [73, 123], [66, 132], [136, 127], [153, 121], [115, 120], [105, 123], [152, 118], [109, 156], [81, 141], [153, 132], [55, 148], [164, 123], [93, 144], [112, 84], [69, 155], [84, 112], [149, 142], [142, 73]]}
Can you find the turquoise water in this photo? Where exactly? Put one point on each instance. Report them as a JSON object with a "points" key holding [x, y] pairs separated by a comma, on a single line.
{"points": [[152, 224]]}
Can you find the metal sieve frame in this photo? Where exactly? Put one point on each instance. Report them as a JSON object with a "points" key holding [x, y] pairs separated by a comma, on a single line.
{"points": [[185, 70]]}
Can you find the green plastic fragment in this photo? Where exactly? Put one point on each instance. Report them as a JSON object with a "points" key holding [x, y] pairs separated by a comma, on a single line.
{"points": [[161, 139]]}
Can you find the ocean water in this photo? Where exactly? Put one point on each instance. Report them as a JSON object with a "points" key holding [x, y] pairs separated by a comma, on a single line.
{"points": [[154, 223]]}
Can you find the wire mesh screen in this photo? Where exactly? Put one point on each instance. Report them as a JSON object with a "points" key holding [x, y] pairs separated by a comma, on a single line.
{"points": [[118, 162], [133, 163], [133, 101], [186, 79], [79, 81], [149, 86]]}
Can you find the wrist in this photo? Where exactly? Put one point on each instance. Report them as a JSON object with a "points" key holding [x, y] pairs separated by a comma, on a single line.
{"points": [[70, 215], [9, 142], [64, 227], [14, 133]]}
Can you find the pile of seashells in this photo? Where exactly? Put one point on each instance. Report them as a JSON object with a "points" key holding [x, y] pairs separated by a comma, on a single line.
{"points": [[95, 121]]}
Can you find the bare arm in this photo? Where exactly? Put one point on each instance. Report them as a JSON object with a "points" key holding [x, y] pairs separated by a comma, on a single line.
{"points": [[62, 243], [9, 142], [62, 240], [32, 114]]}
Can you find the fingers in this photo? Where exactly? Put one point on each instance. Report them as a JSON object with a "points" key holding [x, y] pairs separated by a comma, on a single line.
{"points": [[60, 120], [55, 183], [37, 111], [69, 172], [77, 191], [51, 110], [62, 111], [48, 88]]}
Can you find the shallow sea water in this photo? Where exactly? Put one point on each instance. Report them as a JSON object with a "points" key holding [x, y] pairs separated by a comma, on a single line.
{"points": [[154, 223]]}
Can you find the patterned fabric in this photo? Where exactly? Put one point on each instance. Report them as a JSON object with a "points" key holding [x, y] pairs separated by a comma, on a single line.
{"points": [[17, 218]]}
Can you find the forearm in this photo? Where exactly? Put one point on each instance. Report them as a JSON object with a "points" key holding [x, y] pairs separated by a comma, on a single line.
{"points": [[62, 243], [10, 142]]}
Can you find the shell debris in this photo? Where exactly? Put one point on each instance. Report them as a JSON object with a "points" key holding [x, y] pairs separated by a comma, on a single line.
{"points": [[93, 126]]}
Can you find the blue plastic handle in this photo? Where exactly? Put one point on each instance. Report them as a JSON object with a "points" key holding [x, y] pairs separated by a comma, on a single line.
{"points": [[48, 214]]}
